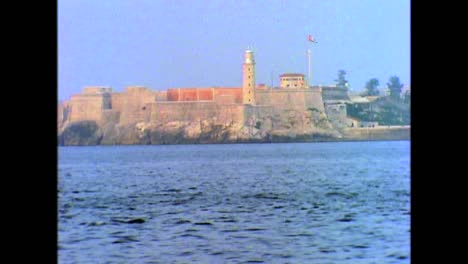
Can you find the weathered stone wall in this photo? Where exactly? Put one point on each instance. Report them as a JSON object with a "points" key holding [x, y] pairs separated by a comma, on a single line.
{"points": [[118, 100], [378, 133], [188, 94], [290, 98], [134, 104], [173, 94], [191, 94], [110, 116], [225, 99], [336, 113], [289, 110], [235, 92], [163, 112], [88, 106], [96, 90], [203, 94], [161, 95]]}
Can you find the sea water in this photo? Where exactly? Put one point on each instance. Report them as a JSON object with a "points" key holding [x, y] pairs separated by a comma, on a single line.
{"points": [[341, 202]]}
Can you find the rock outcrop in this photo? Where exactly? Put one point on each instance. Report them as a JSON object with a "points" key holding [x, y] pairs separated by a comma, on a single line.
{"points": [[200, 132], [82, 133]]}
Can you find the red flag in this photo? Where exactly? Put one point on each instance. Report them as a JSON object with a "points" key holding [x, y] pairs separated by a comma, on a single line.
{"points": [[311, 39]]}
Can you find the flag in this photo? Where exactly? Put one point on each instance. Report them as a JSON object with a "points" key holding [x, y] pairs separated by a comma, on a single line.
{"points": [[311, 39]]}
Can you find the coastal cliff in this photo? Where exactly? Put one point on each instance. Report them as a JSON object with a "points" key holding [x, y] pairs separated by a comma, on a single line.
{"points": [[84, 133]]}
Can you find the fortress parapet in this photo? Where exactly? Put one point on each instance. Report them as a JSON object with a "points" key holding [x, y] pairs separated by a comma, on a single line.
{"points": [[90, 104], [97, 90]]}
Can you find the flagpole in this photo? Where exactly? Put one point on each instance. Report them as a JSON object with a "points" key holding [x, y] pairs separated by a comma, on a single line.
{"points": [[309, 53]]}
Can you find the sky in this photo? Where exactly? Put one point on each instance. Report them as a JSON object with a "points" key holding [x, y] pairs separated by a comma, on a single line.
{"points": [[163, 44]]}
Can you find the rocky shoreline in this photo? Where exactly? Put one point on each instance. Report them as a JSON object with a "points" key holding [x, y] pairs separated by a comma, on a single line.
{"points": [[89, 133]]}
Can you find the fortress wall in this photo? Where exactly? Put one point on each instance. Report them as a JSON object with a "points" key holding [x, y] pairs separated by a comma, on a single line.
{"points": [[96, 90], [173, 94], [190, 94], [259, 112], [161, 95], [337, 114], [313, 99], [290, 98], [235, 92], [269, 111], [163, 112], [378, 133], [134, 104], [280, 98], [232, 113], [117, 101], [271, 118], [225, 99], [86, 107], [110, 116], [286, 109], [205, 94]]}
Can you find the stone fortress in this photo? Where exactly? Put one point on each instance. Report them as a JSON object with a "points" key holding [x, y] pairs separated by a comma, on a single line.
{"points": [[250, 113]]}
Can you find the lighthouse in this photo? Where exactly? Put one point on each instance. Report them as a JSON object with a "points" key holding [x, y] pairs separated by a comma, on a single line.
{"points": [[248, 78]]}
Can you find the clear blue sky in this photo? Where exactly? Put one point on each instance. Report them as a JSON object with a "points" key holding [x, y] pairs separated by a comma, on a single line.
{"points": [[192, 43]]}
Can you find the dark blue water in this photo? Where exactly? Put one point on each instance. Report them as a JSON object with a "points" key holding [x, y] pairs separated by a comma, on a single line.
{"points": [[345, 202]]}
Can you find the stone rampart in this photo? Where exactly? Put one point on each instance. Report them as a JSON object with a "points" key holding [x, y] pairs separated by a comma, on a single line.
{"points": [[88, 106], [96, 90], [161, 95], [290, 98], [134, 104], [163, 112], [378, 133], [235, 92]]}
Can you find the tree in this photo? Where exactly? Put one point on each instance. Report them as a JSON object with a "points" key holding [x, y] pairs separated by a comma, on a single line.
{"points": [[341, 82], [371, 87], [394, 86], [407, 97]]}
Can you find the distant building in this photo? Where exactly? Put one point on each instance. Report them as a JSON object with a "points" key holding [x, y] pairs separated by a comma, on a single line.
{"points": [[226, 105], [292, 80]]}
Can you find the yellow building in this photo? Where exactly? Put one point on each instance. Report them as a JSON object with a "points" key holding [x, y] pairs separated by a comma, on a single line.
{"points": [[292, 80]]}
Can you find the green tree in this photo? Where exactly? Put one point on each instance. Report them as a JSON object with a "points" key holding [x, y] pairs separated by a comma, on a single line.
{"points": [[371, 87], [407, 97], [394, 86], [341, 82]]}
